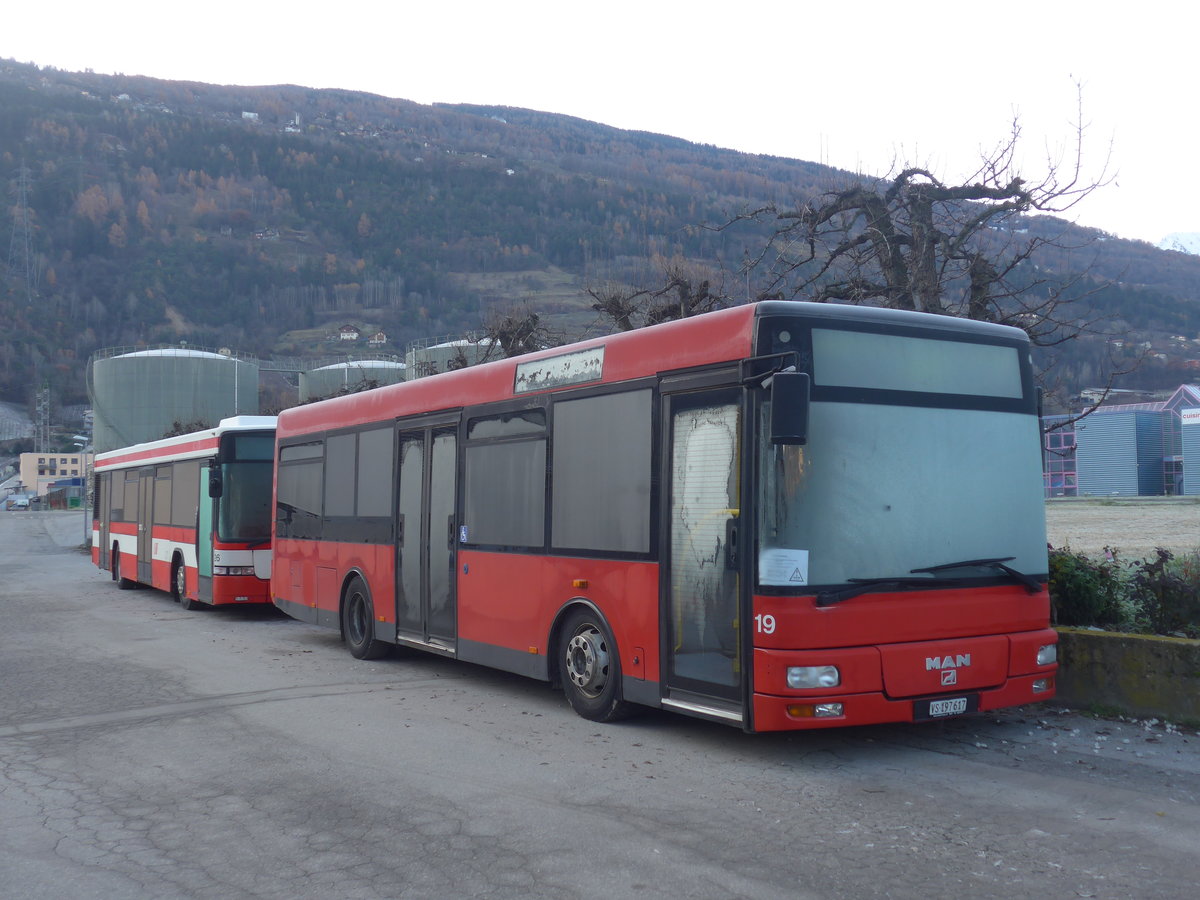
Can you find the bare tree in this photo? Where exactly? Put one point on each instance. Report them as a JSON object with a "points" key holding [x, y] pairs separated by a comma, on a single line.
{"points": [[514, 331], [910, 240], [687, 290]]}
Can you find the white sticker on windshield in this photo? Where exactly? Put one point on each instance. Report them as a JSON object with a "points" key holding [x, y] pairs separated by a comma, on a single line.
{"points": [[781, 567]]}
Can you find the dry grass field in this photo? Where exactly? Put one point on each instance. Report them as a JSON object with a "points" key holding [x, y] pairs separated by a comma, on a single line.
{"points": [[1133, 527]]}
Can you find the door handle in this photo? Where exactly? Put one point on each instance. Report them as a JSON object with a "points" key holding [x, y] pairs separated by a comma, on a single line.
{"points": [[732, 556]]}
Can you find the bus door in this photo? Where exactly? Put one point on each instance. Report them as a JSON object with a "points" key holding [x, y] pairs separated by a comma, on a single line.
{"points": [[702, 616], [145, 526], [103, 513], [206, 514], [426, 534]]}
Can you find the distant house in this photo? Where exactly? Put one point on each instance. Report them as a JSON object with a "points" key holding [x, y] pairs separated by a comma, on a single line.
{"points": [[249, 116], [349, 333], [378, 339]]}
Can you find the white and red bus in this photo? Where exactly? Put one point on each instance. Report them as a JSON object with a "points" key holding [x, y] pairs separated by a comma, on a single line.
{"points": [[779, 516], [190, 514]]}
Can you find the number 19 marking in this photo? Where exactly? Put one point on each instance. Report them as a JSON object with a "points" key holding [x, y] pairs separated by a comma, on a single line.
{"points": [[764, 624]]}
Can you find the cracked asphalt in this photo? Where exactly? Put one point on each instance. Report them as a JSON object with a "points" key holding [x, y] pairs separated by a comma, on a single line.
{"points": [[150, 752]]}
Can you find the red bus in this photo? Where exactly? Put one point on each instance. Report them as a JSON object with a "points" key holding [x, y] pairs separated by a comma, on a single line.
{"points": [[779, 516], [190, 514]]}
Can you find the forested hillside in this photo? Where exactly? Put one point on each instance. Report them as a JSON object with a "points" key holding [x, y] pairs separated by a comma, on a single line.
{"points": [[144, 212]]}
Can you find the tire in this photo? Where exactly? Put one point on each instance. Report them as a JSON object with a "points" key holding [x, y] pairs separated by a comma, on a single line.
{"points": [[179, 586], [590, 668], [358, 623], [123, 583], [178, 580]]}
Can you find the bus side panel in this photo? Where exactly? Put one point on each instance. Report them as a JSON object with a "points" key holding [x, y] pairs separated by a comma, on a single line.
{"points": [[510, 600], [376, 562], [306, 577], [169, 540], [294, 574]]}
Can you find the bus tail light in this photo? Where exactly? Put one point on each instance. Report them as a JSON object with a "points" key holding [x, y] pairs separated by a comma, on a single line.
{"points": [[233, 570], [815, 710], [803, 677]]}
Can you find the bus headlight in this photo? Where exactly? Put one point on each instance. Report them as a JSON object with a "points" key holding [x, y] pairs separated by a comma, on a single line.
{"points": [[802, 677], [1047, 655], [233, 570], [816, 710]]}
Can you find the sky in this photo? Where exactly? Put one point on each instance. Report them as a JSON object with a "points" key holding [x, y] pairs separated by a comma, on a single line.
{"points": [[860, 85]]}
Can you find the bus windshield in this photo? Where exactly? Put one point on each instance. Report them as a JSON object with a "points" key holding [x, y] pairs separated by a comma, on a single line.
{"points": [[917, 457], [244, 507]]}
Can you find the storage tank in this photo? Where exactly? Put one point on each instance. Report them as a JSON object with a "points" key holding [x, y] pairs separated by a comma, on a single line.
{"points": [[139, 395], [346, 377], [436, 355]]}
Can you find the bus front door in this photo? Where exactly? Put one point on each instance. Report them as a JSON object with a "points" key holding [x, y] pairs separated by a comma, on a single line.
{"points": [[704, 669], [103, 515], [426, 536]]}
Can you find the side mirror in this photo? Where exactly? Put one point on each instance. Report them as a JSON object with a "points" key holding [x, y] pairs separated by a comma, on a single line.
{"points": [[789, 408], [215, 485]]}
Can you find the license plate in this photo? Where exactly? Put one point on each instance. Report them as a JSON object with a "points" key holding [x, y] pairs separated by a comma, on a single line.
{"points": [[950, 706]]}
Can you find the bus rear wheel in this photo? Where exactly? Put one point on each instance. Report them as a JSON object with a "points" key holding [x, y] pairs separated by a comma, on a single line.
{"points": [[591, 671], [358, 623]]}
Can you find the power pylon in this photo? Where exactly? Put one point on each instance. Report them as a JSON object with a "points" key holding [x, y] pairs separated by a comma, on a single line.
{"points": [[42, 433], [22, 266]]}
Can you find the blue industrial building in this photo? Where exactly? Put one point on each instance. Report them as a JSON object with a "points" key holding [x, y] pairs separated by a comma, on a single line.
{"points": [[1127, 450]]}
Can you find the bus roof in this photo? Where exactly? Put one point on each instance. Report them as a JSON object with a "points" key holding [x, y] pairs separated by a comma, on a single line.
{"points": [[843, 312], [196, 445], [716, 337], [721, 336]]}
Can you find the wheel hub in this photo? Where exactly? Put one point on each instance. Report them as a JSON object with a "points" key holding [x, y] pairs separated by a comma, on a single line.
{"points": [[587, 660]]}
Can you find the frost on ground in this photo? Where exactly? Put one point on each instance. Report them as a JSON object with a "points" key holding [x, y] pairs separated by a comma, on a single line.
{"points": [[1134, 528]]}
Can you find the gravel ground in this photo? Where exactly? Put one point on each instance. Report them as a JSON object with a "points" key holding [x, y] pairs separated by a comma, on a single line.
{"points": [[1132, 527]]}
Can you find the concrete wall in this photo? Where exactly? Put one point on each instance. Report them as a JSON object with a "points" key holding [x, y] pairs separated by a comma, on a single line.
{"points": [[1141, 675]]}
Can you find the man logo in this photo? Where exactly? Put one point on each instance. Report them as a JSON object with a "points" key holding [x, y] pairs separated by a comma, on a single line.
{"points": [[949, 677], [947, 662]]}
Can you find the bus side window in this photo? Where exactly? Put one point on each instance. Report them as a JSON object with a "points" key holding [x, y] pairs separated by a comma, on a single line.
{"points": [[600, 489]]}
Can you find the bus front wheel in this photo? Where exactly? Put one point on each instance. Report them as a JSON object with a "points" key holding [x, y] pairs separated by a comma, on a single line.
{"points": [[123, 583], [591, 671], [358, 623], [179, 587]]}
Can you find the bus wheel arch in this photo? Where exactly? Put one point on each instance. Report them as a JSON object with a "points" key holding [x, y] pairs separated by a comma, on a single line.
{"points": [[356, 615], [587, 665]]}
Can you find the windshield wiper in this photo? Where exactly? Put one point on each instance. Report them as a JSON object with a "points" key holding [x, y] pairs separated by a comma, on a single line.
{"points": [[1031, 584], [867, 585]]}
